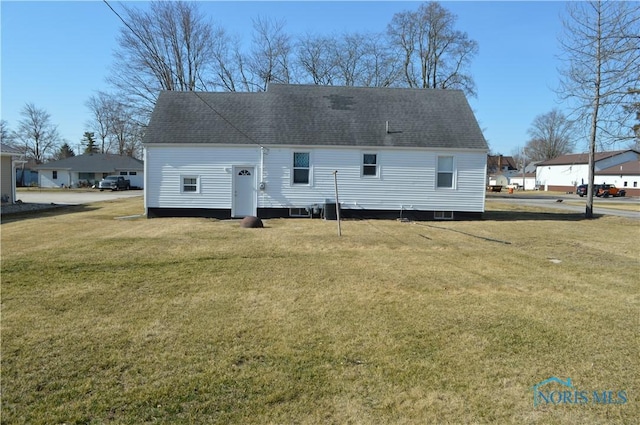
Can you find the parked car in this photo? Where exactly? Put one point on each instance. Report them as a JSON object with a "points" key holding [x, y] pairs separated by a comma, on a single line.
{"points": [[582, 189], [114, 183], [606, 190]]}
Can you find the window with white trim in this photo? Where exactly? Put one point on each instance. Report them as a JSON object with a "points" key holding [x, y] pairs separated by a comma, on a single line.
{"points": [[370, 164], [54, 174], [301, 167], [445, 172], [190, 184]]}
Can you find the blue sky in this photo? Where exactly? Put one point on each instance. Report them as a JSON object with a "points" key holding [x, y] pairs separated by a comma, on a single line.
{"points": [[57, 54]]}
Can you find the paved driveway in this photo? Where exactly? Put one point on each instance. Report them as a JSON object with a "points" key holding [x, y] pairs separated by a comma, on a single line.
{"points": [[70, 197]]}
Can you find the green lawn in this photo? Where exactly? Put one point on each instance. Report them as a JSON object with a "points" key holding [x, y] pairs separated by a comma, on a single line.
{"points": [[183, 321]]}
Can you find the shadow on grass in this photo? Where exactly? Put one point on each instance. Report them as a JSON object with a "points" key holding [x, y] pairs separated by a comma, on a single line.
{"points": [[50, 211], [500, 215]]}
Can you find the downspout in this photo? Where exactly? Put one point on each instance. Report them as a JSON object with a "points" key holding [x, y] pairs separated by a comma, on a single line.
{"points": [[261, 164], [145, 174], [13, 180]]}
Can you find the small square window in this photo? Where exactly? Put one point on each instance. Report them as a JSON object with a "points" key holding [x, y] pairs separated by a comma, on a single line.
{"points": [[635, 184], [370, 164], [190, 184], [625, 184]]}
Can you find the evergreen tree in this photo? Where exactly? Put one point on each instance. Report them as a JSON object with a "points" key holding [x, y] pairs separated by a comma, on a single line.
{"points": [[88, 139], [65, 151]]}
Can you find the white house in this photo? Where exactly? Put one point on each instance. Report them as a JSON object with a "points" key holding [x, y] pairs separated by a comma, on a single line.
{"points": [[8, 158], [89, 168], [566, 172], [625, 176], [415, 153]]}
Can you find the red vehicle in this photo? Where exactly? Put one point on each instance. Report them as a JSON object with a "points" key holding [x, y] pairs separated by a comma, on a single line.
{"points": [[606, 190]]}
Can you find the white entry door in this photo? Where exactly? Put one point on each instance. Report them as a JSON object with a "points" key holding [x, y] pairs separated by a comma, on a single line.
{"points": [[244, 191]]}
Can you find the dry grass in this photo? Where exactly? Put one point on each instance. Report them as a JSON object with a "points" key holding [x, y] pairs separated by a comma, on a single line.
{"points": [[198, 321]]}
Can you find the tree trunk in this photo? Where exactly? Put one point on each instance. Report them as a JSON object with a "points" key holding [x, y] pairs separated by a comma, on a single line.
{"points": [[594, 119]]}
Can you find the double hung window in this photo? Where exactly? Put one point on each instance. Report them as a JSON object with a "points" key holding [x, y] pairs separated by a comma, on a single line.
{"points": [[445, 176], [190, 184], [370, 164], [301, 167]]}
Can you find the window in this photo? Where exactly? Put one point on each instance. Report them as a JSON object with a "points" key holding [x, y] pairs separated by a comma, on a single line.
{"points": [[190, 184], [133, 173], [55, 174], [445, 172], [443, 215], [625, 184], [299, 212], [369, 164], [123, 173], [635, 184], [301, 167]]}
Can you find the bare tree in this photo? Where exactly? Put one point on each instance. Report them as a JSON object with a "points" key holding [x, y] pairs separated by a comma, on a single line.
{"points": [[316, 58], [169, 47], [270, 59], [228, 64], [124, 132], [101, 106], [349, 55], [634, 110], [6, 136], [36, 132], [601, 63], [434, 54], [380, 67], [552, 135]]}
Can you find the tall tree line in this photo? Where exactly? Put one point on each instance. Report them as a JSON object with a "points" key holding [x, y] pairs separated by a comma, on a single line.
{"points": [[174, 46]]}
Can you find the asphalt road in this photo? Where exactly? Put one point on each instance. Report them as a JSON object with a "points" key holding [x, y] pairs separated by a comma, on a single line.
{"points": [[546, 201], [77, 198], [70, 197]]}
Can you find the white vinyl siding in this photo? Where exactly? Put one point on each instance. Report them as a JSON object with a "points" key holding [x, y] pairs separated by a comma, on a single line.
{"points": [[406, 179]]}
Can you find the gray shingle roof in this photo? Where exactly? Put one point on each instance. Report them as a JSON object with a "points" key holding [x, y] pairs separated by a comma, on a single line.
{"points": [[9, 150], [318, 115], [94, 163]]}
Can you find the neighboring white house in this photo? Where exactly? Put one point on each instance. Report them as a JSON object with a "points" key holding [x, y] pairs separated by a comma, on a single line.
{"points": [[88, 169], [566, 172], [415, 153], [8, 158], [625, 176], [529, 181]]}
